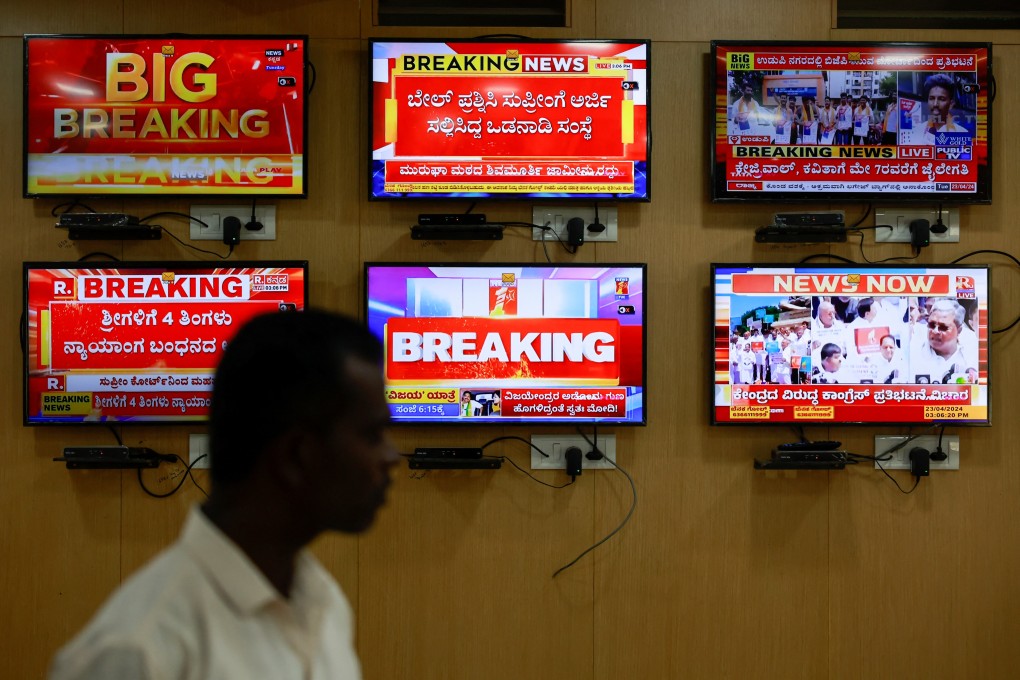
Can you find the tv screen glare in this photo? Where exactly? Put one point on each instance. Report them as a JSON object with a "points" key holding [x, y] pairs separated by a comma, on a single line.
{"points": [[511, 343], [836, 344], [801, 121], [506, 119], [139, 342], [149, 115]]}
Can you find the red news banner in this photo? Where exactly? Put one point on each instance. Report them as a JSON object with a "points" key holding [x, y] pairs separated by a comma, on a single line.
{"points": [[755, 162], [187, 116], [512, 122], [141, 345], [517, 355]]}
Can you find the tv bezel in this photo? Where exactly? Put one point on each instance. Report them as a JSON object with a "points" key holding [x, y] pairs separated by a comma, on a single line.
{"points": [[843, 267], [303, 38], [176, 265], [643, 266], [480, 196], [982, 197]]}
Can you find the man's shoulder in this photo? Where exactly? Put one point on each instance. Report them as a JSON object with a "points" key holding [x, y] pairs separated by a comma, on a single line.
{"points": [[153, 612]]}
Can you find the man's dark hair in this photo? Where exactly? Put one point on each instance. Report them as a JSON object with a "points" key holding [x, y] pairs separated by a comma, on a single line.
{"points": [[943, 80], [281, 370], [831, 349], [864, 306]]}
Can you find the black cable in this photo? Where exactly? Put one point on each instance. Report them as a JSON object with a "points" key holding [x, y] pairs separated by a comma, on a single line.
{"points": [[543, 227], [187, 475], [510, 436], [863, 217], [196, 248], [860, 232], [71, 205], [917, 480], [98, 252], [553, 486], [471, 207], [312, 79], [143, 220], [116, 435], [993, 252], [808, 258], [614, 531]]}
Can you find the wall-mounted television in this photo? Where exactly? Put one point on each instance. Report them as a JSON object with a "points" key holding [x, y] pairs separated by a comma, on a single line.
{"points": [[511, 118], [139, 342], [157, 115], [511, 343], [803, 121], [826, 344]]}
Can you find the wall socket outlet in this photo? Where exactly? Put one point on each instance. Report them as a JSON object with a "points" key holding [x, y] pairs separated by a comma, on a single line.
{"points": [[556, 446], [213, 216]]}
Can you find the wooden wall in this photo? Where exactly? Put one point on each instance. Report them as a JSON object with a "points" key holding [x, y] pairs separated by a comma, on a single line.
{"points": [[723, 572]]}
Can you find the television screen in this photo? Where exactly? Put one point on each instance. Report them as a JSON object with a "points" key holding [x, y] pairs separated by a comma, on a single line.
{"points": [[798, 344], [511, 343], [854, 120], [510, 119], [139, 342], [149, 115]]}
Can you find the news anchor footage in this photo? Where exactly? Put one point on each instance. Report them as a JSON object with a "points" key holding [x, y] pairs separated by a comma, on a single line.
{"points": [[803, 344]]}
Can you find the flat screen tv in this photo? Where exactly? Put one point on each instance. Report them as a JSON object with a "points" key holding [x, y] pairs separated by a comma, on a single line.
{"points": [[158, 115], [511, 343], [139, 342], [803, 121], [836, 344], [506, 119]]}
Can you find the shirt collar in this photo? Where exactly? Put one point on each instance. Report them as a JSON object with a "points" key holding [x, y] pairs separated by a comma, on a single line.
{"points": [[241, 582]]}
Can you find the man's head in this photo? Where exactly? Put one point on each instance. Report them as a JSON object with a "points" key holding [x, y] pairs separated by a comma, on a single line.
{"points": [[944, 323], [298, 406], [887, 346], [826, 313], [783, 99], [828, 102], [832, 357], [466, 397], [748, 91], [866, 309], [940, 91]]}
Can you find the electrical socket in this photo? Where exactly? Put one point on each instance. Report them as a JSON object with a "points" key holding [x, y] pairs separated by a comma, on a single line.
{"points": [[900, 220], [198, 445], [556, 446], [901, 458], [213, 215], [558, 216]]}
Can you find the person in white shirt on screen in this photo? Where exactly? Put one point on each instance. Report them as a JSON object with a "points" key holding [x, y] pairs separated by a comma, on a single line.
{"points": [[889, 365], [807, 119], [298, 447], [862, 120], [744, 113], [745, 363], [831, 370], [844, 120], [782, 121], [827, 121], [941, 355]]}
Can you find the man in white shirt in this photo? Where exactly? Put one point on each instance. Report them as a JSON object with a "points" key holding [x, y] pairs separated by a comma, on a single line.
{"points": [[889, 365], [941, 357], [298, 447], [831, 371]]}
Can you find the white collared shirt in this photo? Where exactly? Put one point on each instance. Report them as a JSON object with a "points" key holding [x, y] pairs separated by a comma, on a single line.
{"points": [[202, 610]]}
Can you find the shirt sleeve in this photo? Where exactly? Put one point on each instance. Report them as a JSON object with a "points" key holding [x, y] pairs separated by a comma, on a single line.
{"points": [[123, 661]]}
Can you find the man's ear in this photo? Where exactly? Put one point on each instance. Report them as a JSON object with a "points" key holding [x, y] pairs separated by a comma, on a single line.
{"points": [[288, 458]]}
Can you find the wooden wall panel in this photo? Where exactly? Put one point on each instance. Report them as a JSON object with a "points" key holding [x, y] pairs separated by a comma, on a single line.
{"points": [[313, 17], [663, 20], [721, 572]]}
